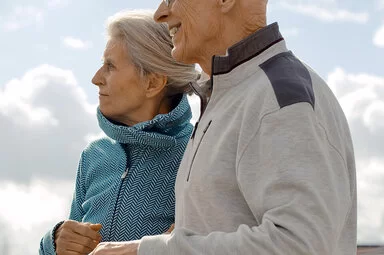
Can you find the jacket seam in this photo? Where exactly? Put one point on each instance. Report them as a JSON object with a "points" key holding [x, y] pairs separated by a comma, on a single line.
{"points": [[246, 147], [252, 137], [328, 141], [345, 166], [331, 145]]}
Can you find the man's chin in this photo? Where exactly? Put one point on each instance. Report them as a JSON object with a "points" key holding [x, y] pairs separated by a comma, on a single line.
{"points": [[176, 54], [181, 57]]}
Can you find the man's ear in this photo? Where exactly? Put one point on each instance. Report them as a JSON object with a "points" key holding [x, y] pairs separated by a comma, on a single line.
{"points": [[227, 5], [155, 84]]}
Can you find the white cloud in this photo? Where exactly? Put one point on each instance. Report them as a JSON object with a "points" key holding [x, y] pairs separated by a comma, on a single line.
{"points": [[57, 3], [380, 4], [370, 201], [325, 11], [362, 99], [28, 15], [92, 137], [44, 201], [45, 118], [28, 211], [378, 38], [23, 16], [76, 43], [360, 95], [16, 100]]}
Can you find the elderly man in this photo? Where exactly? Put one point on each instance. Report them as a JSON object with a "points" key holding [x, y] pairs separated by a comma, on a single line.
{"points": [[270, 167]]}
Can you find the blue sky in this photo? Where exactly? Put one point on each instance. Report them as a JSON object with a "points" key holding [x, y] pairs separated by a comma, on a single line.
{"points": [[50, 50]]}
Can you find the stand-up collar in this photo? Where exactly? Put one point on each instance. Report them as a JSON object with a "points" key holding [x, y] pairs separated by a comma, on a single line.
{"points": [[247, 49], [160, 132], [253, 48]]}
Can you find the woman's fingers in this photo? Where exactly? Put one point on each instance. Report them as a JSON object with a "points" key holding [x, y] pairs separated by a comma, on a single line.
{"points": [[71, 237], [74, 237], [171, 228]]}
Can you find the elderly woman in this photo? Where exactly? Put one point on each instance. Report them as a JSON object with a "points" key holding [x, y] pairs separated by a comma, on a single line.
{"points": [[125, 182]]}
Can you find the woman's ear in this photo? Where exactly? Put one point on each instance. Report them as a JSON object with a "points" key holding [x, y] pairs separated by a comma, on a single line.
{"points": [[156, 84]]}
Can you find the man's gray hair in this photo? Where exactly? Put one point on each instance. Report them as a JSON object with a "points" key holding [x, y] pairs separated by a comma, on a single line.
{"points": [[149, 47]]}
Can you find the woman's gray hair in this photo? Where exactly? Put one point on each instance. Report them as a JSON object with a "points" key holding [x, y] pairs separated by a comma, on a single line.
{"points": [[149, 47]]}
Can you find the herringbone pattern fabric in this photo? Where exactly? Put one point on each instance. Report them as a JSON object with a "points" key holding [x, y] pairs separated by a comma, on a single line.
{"points": [[143, 202]]}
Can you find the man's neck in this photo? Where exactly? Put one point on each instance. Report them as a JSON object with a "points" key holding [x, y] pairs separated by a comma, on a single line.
{"points": [[229, 41]]}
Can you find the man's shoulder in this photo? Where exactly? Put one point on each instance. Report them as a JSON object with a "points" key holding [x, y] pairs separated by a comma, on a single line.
{"points": [[290, 79]]}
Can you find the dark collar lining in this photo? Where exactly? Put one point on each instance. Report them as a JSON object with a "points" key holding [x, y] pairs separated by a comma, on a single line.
{"points": [[247, 49]]}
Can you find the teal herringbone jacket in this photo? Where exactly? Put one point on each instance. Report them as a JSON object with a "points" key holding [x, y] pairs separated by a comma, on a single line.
{"points": [[126, 181]]}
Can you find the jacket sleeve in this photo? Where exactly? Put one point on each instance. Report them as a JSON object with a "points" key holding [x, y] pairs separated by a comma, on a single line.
{"points": [[47, 243], [296, 184]]}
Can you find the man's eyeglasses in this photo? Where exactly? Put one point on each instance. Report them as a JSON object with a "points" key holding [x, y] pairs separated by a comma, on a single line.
{"points": [[168, 2]]}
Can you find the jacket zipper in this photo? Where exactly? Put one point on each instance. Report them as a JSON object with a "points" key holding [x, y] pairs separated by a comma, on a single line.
{"points": [[194, 130], [203, 106], [122, 179], [197, 148], [123, 176]]}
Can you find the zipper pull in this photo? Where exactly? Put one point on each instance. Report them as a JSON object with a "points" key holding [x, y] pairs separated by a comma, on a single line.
{"points": [[124, 174], [194, 130], [206, 128]]}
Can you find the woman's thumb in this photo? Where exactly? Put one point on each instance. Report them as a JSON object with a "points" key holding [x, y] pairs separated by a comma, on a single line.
{"points": [[95, 227]]}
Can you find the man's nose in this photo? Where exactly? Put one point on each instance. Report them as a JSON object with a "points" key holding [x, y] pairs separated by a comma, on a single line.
{"points": [[161, 13]]}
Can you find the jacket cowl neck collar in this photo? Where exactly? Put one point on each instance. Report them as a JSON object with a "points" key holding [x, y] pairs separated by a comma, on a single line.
{"points": [[248, 48], [160, 132]]}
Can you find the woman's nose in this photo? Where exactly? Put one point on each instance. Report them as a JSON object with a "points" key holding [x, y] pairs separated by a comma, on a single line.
{"points": [[97, 78]]}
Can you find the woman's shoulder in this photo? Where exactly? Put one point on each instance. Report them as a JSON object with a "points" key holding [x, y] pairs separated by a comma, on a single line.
{"points": [[100, 153], [102, 146]]}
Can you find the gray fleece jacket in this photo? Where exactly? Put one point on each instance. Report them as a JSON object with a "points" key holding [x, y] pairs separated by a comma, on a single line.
{"points": [[270, 167]]}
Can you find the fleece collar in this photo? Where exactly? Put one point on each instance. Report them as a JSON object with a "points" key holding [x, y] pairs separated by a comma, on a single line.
{"points": [[160, 132]]}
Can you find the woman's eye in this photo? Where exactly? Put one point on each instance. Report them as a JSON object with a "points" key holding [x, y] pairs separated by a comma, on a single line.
{"points": [[109, 66]]}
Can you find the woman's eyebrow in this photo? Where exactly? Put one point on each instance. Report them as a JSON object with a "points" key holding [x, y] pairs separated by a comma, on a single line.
{"points": [[107, 60]]}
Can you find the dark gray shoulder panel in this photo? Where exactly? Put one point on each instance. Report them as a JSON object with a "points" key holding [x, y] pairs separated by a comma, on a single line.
{"points": [[290, 79]]}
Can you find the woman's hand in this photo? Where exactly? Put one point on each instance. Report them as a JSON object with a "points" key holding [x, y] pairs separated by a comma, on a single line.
{"points": [[77, 238], [117, 248]]}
